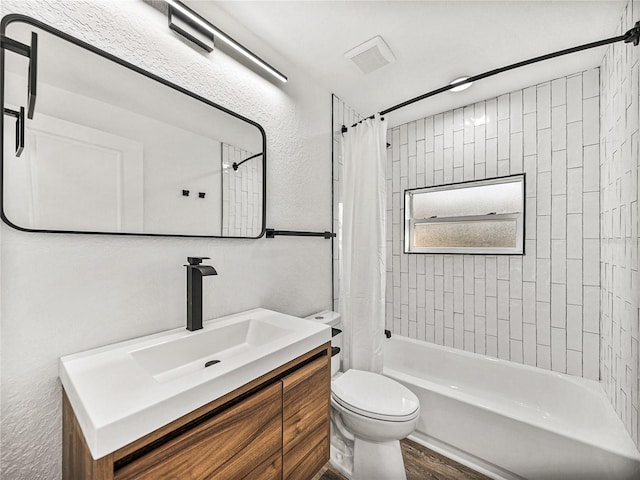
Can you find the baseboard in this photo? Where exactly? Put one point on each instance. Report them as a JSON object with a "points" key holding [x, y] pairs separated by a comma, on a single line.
{"points": [[464, 458]]}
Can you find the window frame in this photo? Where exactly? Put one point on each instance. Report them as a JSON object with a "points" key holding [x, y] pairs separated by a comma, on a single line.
{"points": [[410, 223]]}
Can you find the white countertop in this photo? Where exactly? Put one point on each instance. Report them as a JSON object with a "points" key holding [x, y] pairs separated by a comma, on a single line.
{"points": [[117, 401]]}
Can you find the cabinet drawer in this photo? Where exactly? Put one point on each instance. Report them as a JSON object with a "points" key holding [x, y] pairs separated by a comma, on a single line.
{"points": [[306, 409], [243, 441]]}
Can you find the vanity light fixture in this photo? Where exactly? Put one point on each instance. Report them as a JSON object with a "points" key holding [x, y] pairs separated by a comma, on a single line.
{"points": [[219, 34], [194, 32], [460, 84]]}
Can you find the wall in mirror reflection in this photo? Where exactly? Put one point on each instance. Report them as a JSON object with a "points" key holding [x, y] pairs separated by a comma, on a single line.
{"points": [[111, 150]]}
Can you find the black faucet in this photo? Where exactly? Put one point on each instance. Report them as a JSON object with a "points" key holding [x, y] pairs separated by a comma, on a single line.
{"points": [[195, 272]]}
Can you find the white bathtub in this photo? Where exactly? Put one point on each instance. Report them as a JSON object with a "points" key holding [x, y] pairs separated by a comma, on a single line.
{"points": [[512, 421]]}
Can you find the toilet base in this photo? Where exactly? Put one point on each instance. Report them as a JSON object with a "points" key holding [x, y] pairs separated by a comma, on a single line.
{"points": [[377, 461], [341, 452], [341, 462]]}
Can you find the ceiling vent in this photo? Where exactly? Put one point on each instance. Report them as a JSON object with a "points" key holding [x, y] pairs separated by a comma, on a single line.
{"points": [[371, 55]]}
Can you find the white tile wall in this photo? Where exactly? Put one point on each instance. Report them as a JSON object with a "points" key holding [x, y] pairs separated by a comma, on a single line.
{"points": [[345, 115], [241, 193], [541, 309], [620, 289], [527, 309]]}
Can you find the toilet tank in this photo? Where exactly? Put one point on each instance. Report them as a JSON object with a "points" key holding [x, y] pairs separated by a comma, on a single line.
{"points": [[332, 319]]}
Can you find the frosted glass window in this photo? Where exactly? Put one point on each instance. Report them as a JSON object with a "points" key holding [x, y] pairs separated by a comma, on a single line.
{"points": [[484, 216], [466, 234]]}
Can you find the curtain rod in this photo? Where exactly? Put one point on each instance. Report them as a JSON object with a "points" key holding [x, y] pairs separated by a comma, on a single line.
{"points": [[633, 35], [236, 165]]}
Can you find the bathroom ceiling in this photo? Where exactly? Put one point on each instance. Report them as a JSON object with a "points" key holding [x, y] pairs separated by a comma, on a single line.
{"points": [[434, 42]]}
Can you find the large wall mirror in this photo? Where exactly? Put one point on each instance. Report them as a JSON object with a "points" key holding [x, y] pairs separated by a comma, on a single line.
{"points": [[114, 149]]}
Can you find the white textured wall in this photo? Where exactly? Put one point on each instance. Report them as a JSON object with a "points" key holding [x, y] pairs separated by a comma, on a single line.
{"points": [[67, 293], [620, 292]]}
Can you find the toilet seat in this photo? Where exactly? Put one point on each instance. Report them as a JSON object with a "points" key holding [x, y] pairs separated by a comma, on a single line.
{"points": [[375, 396], [373, 415]]}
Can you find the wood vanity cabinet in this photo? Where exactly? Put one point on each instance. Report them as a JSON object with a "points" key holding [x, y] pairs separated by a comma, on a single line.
{"points": [[276, 427], [305, 427]]}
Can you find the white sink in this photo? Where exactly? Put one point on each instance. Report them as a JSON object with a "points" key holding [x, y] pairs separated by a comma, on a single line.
{"points": [[190, 353], [124, 391]]}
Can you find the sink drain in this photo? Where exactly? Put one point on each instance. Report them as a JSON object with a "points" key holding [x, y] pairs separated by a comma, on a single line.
{"points": [[211, 362]]}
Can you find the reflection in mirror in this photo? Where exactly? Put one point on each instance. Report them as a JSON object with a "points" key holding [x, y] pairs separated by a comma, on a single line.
{"points": [[111, 150], [241, 192]]}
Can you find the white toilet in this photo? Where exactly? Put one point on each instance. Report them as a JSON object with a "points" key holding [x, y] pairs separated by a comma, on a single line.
{"points": [[370, 414]]}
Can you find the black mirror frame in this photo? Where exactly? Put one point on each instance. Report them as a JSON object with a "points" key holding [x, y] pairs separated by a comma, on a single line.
{"points": [[11, 18]]}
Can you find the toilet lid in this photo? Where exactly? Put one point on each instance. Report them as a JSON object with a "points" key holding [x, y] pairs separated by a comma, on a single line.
{"points": [[374, 395]]}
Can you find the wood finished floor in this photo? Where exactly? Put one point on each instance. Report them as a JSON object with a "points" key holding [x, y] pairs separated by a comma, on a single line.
{"points": [[420, 463]]}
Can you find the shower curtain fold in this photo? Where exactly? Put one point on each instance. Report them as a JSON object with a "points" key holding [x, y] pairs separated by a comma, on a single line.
{"points": [[362, 243]]}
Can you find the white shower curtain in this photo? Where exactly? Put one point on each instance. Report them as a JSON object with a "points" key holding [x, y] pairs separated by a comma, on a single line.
{"points": [[362, 240]]}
